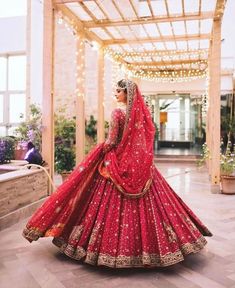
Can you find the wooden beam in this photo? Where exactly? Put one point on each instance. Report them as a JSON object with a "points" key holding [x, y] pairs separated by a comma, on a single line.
{"points": [[137, 16], [93, 17], [147, 20], [171, 70], [79, 26], [158, 39], [213, 117], [100, 126], [48, 87], [219, 9], [65, 1], [80, 105], [171, 62], [163, 52]]}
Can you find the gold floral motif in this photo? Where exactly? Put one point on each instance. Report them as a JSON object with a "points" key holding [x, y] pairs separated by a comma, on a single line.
{"points": [[32, 233], [136, 195], [122, 261], [76, 253], [189, 222], [170, 232], [76, 232], [94, 234]]}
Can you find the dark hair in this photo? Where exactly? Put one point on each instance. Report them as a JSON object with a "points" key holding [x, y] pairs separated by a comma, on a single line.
{"points": [[30, 145], [122, 84]]}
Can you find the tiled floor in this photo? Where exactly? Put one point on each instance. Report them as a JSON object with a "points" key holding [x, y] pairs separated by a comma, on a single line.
{"points": [[178, 151], [41, 265]]}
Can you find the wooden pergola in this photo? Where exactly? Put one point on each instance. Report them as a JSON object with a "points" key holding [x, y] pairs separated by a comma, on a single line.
{"points": [[157, 40]]}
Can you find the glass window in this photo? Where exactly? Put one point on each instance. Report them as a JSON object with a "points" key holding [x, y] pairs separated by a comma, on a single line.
{"points": [[17, 73], [17, 108], [2, 131], [3, 70]]}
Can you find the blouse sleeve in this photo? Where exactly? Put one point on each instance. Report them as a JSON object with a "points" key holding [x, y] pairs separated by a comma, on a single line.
{"points": [[112, 139]]}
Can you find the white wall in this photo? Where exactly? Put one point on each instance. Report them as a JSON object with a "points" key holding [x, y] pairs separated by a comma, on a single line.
{"points": [[13, 34], [36, 53], [91, 76]]}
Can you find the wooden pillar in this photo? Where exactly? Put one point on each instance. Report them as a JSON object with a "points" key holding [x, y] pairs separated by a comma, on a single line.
{"points": [[48, 87], [80, 96], [213, 122], [100, 127], [208, 115]]}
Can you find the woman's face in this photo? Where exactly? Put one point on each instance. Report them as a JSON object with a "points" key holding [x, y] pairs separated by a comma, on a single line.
{"points": [[121, 96]]}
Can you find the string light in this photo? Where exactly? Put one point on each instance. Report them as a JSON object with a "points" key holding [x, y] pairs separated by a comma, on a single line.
{"points": [[205, 99], [124, 63], [190, 54], [201, 65], [175, 72]]}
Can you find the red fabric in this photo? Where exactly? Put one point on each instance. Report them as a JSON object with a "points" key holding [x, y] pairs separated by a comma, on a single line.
{"points": [[51, 218], [91, 220], [130, 164]]}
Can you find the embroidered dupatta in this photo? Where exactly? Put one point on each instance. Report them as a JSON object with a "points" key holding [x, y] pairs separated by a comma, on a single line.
{"points": [[130, 170], [130, 164]]}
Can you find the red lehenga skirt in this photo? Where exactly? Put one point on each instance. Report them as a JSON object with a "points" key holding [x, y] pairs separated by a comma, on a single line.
{"points": [[92, 221]]}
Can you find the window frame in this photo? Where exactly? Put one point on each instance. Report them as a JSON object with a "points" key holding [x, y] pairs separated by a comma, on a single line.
{"points": [[6, 95]]}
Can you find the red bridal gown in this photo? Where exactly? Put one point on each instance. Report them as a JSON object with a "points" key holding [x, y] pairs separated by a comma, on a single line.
{"points": [[91, 220]]}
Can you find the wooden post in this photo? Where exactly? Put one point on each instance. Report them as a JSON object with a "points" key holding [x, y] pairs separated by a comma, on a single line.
{"points": [[48, 87], [214, 107], [80, 106], [100, 127]]}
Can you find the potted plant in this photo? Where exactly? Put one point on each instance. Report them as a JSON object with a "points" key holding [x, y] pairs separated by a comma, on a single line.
{"points": [[29, 130], [91, 133], [65, 133], [6, 149], [227, 167]]}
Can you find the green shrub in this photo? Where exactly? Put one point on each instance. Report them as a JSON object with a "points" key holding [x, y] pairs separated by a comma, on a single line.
{"points": [[7, 146]]}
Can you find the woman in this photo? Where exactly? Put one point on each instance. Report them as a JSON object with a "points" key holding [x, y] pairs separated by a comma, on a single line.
{"points": [[33, 156], [116, 209]]}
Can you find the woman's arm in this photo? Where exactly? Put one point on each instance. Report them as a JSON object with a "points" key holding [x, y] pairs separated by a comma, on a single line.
{"points": [[113, 134]]}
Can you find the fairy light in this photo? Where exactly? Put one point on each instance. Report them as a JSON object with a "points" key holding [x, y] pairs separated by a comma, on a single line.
{"points": [[124, 63], [160, 55], [195, 65], [205, 97], [174, 74]]}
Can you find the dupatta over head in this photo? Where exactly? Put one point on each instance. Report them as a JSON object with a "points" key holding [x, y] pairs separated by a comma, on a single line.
{"points": [[130, 164]]}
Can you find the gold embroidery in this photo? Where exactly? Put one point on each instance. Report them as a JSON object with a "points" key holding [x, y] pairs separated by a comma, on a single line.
{"points": [[76, 232], [170, 232], [122, 261], [94, 234], [69, 250], [32, 233], [191, 225], [137, 195]]}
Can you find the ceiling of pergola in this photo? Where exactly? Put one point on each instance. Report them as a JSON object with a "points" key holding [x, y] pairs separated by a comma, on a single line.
{"points": [[144, 35]]}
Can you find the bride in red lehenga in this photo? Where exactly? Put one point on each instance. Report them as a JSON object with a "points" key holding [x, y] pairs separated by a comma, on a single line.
{"points": [[116, 209]]}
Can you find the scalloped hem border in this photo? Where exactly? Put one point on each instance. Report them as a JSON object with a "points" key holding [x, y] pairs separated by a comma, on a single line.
{"points": [[145, 260]]}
